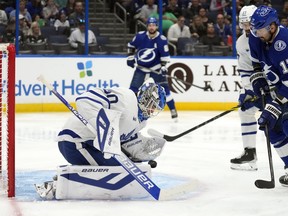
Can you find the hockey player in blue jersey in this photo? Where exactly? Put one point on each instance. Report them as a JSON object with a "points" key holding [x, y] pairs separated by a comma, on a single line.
{"points": [[269, 52], [149, 50]]}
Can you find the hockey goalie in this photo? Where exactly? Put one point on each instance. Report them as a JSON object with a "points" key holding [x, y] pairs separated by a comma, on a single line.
{"points": [[117, 116]]}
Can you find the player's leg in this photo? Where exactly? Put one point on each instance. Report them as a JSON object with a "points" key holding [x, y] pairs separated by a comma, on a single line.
{"points": [[247, 160], [169, 99], [138, 79]]}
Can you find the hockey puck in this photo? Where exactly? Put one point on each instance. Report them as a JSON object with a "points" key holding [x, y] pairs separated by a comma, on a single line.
{"points": [[152, 163]]}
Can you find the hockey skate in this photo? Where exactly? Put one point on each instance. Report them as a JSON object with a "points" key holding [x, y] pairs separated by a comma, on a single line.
{"points": [[174, 115], [246, 161], [284, 179], [46, 190]]}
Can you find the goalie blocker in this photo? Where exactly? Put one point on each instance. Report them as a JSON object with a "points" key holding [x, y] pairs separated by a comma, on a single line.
{"points": [[93, 182]]}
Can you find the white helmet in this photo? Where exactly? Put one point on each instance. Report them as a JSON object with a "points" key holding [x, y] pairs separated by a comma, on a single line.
{"points": [[245, 14]]}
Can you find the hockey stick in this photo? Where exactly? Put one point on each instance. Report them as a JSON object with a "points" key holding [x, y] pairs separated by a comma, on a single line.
{"points": [[125, 162], [168, 138], [259, 183], [175, 78]]}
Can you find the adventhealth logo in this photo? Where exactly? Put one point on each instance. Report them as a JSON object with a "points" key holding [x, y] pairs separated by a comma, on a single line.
{"points": [[85, 69]]}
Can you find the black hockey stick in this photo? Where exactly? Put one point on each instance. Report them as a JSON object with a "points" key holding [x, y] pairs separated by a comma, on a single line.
{"points": [[265, 184], [175, 78], [168, 138]]}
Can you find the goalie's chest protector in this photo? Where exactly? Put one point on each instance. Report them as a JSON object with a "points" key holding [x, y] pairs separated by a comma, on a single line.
{"points": [[128, 105]]}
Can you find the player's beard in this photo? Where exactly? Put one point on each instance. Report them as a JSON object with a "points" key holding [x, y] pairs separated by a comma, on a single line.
{"points": [[152, 32]]}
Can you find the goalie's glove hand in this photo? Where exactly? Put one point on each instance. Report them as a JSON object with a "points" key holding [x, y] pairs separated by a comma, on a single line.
{"points": [[163, 71], [131, 61], [270, 115], [247, 99], [258, 80]]}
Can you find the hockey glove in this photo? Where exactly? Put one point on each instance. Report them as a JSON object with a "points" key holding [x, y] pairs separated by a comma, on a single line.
{"points": [[163, 70], [270, 115], [246, 99], [141, 148], [131, 61], [258, 80]]}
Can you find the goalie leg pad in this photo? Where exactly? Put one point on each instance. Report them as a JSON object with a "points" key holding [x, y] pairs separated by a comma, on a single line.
{"points": [[99, 182]]}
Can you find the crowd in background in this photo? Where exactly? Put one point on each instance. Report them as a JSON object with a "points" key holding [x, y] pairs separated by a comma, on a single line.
{"points": [[205, 21]]}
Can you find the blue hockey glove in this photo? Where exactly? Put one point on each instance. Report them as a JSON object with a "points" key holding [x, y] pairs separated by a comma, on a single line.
{"points": [[270, 115], [244, 97], [131, 61], [258, 80]]}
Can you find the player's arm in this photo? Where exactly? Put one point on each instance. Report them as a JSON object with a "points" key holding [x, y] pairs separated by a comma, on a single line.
{"points": [[131, 48]]}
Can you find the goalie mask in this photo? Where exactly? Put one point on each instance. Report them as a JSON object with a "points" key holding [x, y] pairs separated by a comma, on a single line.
{"points": [[151, 99]]}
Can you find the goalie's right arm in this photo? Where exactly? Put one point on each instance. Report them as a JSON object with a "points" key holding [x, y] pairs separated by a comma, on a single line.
{"points": [[141, 148]]}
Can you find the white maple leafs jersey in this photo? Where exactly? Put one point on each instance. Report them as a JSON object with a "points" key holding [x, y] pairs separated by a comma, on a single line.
{"points": [[244, 67], [88, 104]]}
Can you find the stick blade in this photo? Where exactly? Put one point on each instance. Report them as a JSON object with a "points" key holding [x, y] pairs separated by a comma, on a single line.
{"points": [[263, 184]]}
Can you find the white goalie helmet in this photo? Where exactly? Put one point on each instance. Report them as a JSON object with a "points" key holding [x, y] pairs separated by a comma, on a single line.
{"points": [[151, 99], [245, 14]]}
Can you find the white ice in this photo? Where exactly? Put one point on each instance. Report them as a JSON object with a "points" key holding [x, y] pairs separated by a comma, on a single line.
{"points": [[203, 156]]}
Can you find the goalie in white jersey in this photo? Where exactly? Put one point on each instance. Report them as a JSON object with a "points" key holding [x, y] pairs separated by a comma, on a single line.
{"points": [[247, 160], [103, 108]]}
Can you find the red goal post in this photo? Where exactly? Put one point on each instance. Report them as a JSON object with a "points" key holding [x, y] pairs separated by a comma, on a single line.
{"points": [[7, 119]]}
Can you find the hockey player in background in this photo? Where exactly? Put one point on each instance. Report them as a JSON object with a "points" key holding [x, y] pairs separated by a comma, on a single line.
{"points": [[247, 160], [149, 50], [105, 108], [269, 51]]}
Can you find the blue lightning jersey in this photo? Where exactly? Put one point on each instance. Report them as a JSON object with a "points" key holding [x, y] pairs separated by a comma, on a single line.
{"points": [[273, 58], [150, 52]]}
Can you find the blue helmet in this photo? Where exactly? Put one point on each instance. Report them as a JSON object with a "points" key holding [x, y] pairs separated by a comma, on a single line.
{"points": [[152, 20], [263, 17], [151, 99]]}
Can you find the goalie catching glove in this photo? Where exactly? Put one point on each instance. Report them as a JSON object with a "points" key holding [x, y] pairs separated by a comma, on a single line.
{"points": [[141, 148]]}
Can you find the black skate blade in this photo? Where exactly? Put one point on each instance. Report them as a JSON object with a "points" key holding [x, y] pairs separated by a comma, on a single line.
{"points": [[262, 184]]}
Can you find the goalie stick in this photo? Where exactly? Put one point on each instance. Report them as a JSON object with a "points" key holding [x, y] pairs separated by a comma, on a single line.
{"points": [[175, 78], [126, 163], [259, 183], [172, 138]]}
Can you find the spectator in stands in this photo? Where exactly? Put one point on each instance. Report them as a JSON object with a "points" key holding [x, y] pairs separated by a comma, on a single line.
{"points": [[221, 28], [284, 12], [177, 30], [69, 7], [77, 36], [10, 33], [22, 11], [173, 8], [197, 28], [217, 7], [34, 7], [168, 19], [3, 17], [40, 20], [193, 10], [283, 21], [133, 12], [204, 17], [147, 9], [50, 12], [77, 14], [60, 4], [34, 35], [62, 20], [211, 38], [23, 25]]}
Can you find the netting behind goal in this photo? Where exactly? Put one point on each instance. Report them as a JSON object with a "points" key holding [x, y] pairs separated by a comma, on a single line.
{"points": [[7, 119]]}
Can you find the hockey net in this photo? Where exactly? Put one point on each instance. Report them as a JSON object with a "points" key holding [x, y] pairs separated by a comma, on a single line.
{"points": [[7, 120]]}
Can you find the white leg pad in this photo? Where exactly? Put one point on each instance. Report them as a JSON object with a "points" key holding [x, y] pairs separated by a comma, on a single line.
{"points": [[99, 182]]}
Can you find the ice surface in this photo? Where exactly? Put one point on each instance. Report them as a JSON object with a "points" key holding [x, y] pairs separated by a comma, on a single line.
{"points": [[202, 156]]}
